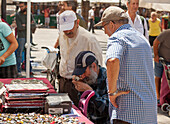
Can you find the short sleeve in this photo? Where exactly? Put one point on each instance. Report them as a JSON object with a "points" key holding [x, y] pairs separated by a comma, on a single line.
{"points": [[114, 50], [6, 30], [162, 36]]}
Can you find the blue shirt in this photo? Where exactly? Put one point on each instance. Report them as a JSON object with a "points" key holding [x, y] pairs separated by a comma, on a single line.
{"points": [[99, 103], [136, 74], [5, 31]]}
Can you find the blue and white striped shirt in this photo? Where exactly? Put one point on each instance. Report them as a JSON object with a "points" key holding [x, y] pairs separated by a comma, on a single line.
{"points": [[136, 74]]}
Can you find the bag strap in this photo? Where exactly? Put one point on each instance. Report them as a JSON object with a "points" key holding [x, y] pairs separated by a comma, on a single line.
{"points": [[142, 19]]}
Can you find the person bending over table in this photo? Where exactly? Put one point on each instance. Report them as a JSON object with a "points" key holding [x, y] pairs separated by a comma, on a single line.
{"points": [[88, 75]]}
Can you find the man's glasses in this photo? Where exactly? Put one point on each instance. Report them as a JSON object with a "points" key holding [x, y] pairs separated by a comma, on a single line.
{"points": [[105, 25]]}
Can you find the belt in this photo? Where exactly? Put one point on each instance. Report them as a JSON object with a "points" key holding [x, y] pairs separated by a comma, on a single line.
{"points": [[66, 79]]}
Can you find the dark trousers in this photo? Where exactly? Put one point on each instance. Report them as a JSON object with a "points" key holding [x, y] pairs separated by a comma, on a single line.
{"points": [[91, 25], [151, 39], [66, 86], [117, 121]]}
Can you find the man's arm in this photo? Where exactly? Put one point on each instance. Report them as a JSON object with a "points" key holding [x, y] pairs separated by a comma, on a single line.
{"points": [[57, 43], [19, 23], [155, 50], [113, 68], [112, 74], [81, 86], [13, 46], [101, 102]]}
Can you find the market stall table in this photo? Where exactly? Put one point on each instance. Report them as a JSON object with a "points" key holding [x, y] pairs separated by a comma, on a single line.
{"points": [[81, 117]]}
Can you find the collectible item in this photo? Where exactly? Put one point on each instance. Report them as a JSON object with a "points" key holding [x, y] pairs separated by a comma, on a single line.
{"points": [[33, 118], [59, 103]]}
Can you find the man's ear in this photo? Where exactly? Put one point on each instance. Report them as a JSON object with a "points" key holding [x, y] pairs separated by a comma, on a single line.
{"points": [[94, 66], [127, 4], [113, 27], [112, 24], [78, 22]]}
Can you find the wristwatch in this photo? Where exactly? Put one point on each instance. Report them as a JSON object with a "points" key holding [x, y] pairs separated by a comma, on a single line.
{"points": [[112, 94]]}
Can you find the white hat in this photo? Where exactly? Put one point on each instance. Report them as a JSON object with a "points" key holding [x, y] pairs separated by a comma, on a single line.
{"points": [[66, 20]]}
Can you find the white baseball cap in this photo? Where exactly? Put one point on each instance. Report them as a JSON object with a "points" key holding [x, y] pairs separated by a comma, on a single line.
{"points": [[66, 20]]}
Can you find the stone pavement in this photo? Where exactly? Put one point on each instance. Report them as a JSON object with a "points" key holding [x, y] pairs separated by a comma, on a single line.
{"points": [[48, 37]]}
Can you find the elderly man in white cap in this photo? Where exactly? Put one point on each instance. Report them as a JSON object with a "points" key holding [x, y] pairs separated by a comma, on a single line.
{"points": [[131, 86], [72, 40]]}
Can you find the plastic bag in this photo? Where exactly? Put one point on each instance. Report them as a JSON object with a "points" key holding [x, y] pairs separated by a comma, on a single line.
{"points": [[50, 60]]}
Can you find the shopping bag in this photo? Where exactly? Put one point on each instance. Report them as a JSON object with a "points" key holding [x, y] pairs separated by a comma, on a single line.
{"points": [[50, 60]]}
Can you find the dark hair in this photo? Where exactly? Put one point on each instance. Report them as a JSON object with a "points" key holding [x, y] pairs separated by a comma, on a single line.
{"points": [[73, 4], [23, 3], [74, 8]]}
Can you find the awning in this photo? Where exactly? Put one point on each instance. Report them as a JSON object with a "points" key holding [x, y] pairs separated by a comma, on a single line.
{"points": [[40, 1], [102, 1], [163, 5], [157, 1]]}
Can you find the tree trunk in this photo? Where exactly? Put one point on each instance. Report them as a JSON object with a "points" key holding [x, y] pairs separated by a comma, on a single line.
{"points": [[84, 10]]}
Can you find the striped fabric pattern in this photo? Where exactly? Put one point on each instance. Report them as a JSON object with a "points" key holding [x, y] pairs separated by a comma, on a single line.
{"points": [[136, 74], [9, 72]]}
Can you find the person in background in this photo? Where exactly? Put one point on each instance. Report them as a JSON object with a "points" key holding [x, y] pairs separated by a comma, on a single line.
{"points": [[91, 19], [136, 21], [101, 11], [161, 48], [2, 20], [154, 27], [130, 75], [72, 40], [82, 22], [8, 45], [21, 20], [92, 77], [61, 5], [47, 16], [70, 5]]}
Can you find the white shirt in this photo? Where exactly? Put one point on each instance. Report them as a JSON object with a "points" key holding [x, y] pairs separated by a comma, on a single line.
{"points": [[101, 12], [57, 19], [71, 47], [138, 25], [91, 14]]}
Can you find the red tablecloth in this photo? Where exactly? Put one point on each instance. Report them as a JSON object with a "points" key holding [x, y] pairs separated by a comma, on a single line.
{"points": [[82, 118]]}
